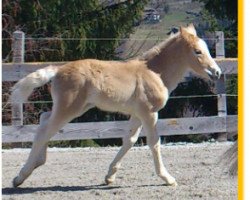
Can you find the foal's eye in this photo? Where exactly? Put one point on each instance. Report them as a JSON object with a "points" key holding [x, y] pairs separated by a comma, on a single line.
{"points": [[197, 52]]}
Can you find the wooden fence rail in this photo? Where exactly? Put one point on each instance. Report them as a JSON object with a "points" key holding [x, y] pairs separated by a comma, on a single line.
{"points": [[14, 72], [118, 129]]}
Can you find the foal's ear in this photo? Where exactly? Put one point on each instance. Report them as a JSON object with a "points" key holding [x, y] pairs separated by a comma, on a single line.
{"points": [[188, 30], [184, 33], [191, 29]]}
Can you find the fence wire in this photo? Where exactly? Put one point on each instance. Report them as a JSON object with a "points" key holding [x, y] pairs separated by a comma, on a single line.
{"points": [[106, 39], [171, 97], [33, 109]]}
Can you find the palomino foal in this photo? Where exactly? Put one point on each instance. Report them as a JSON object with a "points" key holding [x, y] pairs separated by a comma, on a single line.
{"points": [[138, 87]]}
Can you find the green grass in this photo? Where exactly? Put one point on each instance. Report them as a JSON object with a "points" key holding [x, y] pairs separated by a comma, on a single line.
{"points": [[160, 29], [151, 34]]}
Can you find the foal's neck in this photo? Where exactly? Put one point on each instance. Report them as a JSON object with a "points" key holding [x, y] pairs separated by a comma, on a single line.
{"points": [[169, 62]]}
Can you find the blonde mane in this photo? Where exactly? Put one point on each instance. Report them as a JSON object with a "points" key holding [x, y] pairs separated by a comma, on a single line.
{"points": [[157, 49]]}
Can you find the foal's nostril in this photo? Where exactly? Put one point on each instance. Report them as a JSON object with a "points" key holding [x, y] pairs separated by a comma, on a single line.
{"points": [[217, 74]]}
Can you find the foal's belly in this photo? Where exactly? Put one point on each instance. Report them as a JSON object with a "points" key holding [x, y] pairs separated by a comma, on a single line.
{"points": [[114, 102], [110, 106]]}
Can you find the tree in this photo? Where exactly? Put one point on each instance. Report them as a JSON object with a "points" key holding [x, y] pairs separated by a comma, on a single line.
{"points": [[222, 15], [225, 9], [71, 24]]}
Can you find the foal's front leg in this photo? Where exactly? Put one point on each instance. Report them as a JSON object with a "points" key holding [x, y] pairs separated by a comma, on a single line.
{"points": [[128, 141], [153, 141]]}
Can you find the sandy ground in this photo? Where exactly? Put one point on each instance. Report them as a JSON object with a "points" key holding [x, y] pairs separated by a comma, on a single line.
{"points": [[79, 174]]}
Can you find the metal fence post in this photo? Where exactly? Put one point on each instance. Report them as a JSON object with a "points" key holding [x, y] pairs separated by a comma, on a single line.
{"points": [[221, 84], [18, 57]]}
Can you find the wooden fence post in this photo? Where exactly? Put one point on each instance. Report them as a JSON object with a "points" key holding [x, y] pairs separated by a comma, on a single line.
{"points": [[221, 84], [18, 57], [219, 45]]}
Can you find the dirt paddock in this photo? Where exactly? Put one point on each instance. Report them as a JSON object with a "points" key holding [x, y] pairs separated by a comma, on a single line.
{"points": [[79, 174]]}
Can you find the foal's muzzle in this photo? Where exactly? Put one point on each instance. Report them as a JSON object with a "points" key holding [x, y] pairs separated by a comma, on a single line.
{"points": [[214, 73]]}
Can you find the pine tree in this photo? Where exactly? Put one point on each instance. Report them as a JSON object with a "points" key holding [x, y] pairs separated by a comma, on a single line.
{"points": [[74, 25]]}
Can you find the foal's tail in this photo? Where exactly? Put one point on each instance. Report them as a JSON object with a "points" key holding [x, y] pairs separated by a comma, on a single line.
{"points": [[23, 88]]}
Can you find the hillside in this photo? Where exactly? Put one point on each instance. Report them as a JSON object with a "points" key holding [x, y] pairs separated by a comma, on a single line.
{"points": [[151, 32]]}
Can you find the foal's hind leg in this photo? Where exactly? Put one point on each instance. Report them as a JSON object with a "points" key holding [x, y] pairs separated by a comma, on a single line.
{"points": [[128, 142], [153, 141], [44, 133], [50, 125]]}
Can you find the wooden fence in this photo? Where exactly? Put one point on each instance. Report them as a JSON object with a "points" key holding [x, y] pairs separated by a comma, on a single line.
{"points": [[117, 129], [222, 123]]}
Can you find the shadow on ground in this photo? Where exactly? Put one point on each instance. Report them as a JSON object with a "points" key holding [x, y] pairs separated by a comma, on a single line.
{"points": [[28, 190]]}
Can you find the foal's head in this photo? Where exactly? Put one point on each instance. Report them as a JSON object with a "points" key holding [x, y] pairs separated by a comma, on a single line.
{"points": [[199, 58]]}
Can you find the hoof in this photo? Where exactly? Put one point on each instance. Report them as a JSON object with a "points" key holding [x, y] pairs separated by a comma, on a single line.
{"points": [[16, 182], [174, 184], [109, 181]]}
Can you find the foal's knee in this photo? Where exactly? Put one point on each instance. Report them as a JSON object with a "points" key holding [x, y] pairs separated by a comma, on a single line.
{"points": [[133, 139], [129, 141], [44, 117], [154, 146], [154, 142]]}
